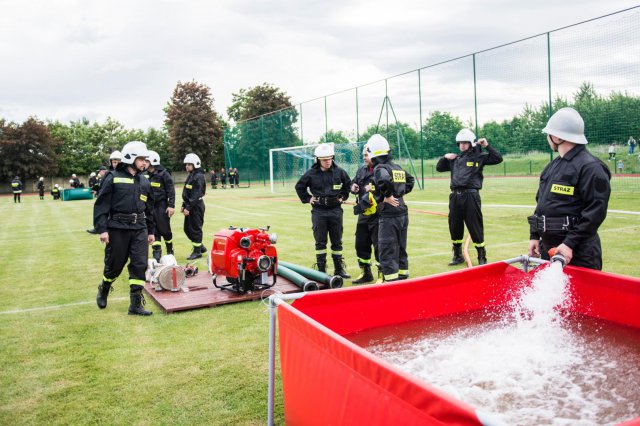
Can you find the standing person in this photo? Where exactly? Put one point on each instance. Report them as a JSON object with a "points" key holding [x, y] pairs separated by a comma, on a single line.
{"points": [[41, 187], [114, 159], [223, 178], [612, 152], [164, 198], [326, 186], [16, 187], [232, 177], [392, 183], [367, 227], [620, 166], [74, 181], [95, 188], [466, 182], [55, 192], [193, 205], [572, 198], [93, 178], [123, 216], [214, 179], [236, 177], [632, 145]]}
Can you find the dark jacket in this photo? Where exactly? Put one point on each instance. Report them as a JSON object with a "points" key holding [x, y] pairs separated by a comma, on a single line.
{"points": [[576, 185], [364, 177], [332, 186], [466, 168], [16, 186], [194, 189], [164, 192], [391, 180], [123, 193]]}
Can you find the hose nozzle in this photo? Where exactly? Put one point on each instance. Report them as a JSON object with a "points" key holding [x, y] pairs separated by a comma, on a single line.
{"points": [[557, 257]]}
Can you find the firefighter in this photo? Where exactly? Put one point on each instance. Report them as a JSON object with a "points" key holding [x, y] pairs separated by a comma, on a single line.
{"points": [[114, 159], [237, 177], [164, 198], [223, 178], [74, 181], [367, 227], [55, 192], [391, 183], [41, 187], [93, 179], [95, 188], [123, 216], [466, 183], [193, 205], [16, 187], [232, 177], [326, 186], [573, 196], [214, 179]]}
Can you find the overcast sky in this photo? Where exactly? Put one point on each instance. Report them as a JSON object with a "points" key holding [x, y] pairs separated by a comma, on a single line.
{"points": [[70, 59]]}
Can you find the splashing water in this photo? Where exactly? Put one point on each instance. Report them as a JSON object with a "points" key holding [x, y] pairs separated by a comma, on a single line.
{"points": [[526, 365]]}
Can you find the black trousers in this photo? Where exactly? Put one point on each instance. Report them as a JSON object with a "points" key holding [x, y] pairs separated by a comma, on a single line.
{"points": [[329, 222], [193, 223], [126, 244], [587, 255], [367, 236], [163, 224], [16, 197], [466, 209], [392, 243]]}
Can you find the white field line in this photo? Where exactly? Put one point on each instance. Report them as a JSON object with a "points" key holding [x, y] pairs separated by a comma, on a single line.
{"points": [[515, 206], [46, 308]]}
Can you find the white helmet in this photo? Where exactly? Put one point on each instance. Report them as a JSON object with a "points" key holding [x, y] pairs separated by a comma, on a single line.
{"points": [[324, 151], [133, 150], [73, 175], [115, 155], [56, 185], [93, 174], [466, 135], [154, 158], [71, 181], [567, 124], [377, 145], [192, 158], [41, 178]]}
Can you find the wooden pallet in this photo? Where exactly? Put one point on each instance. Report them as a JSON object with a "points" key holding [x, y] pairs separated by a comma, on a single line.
{"points": [[203, 294]]}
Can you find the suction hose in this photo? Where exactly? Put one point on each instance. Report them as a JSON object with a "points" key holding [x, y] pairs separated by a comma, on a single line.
{"points": [[333, 281], [296, 278]]}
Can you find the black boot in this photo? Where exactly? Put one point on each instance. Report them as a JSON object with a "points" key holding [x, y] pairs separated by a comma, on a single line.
{"points": [[157, 252], [340, 267], [103, 293], [195, 254], [457, 255], [92, 231], [321, 262], [366, 276], [203, 249], [169, 248], [137, 301], [482, 255]]}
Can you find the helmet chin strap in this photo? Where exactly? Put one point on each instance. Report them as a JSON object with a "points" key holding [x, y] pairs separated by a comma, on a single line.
{"points": [[555, 145]]}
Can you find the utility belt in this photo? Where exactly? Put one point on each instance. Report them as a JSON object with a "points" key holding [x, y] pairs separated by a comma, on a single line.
{"points": [[459, 191], [552, 224], [129, 218], [328, 201]]}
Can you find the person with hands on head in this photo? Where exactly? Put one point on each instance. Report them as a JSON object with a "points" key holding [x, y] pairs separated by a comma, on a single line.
{"points": [[193, 204], [326, 186], [465, 206], [572, 198], [123, 217]]}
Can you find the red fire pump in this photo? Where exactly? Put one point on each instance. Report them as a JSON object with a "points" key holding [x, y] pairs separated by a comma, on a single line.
{"points": [[247, 257]]}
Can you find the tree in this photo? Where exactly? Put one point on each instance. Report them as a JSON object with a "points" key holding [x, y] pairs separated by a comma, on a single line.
{"points": [[193, 124], [440, 129], [335, 136], [28, 150]]}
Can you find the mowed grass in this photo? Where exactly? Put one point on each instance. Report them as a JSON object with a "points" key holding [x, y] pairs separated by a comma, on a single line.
{"points": [[66, 362]]}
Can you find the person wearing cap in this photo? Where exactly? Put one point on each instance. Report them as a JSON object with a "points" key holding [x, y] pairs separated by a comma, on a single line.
{"points": [[41, 187], [391, 184], [572, 198], [326, 186], [466, 182], [123, 216], [16, 188], [164, 197], [193, 204]]}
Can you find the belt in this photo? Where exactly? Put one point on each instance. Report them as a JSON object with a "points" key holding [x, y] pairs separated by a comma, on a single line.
{"points": [[463, 191], [552, 224], [328, 201], [129, 218]]}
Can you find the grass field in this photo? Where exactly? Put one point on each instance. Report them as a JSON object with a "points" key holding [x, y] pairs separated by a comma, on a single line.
{"points": [[66, 362]]}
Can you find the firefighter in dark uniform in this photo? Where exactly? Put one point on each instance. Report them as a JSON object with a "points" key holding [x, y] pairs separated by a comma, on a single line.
{"points": [[164, 198], [55, 192], [223, 178], [114, 159], [392, 183], [572, 198], [93, 180], [232, 177], [326, 186], [123, 216], [16, 187], [236, 177], [193, 204], [367, 227], [214, 179], [41, 188], [466, 183]]}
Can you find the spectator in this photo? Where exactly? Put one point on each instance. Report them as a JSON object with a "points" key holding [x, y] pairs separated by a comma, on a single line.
{"points": [[632, 145], [612, 152], [620, 166]]}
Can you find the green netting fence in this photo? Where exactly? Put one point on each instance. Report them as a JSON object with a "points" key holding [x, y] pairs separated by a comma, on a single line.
{"points": [[505, 94]]}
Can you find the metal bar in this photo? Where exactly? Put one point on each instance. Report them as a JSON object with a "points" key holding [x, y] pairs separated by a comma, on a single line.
{"points": [[475, 95], [421, 139], [550, 109], [357, 118]]}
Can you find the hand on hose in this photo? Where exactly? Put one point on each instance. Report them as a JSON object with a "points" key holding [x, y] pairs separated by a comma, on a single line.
{"points": [[534, 248], [104, 237], [565, 251]]}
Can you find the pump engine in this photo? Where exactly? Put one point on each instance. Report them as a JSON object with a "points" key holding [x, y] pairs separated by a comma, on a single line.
{"points": [[247, 257]]}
